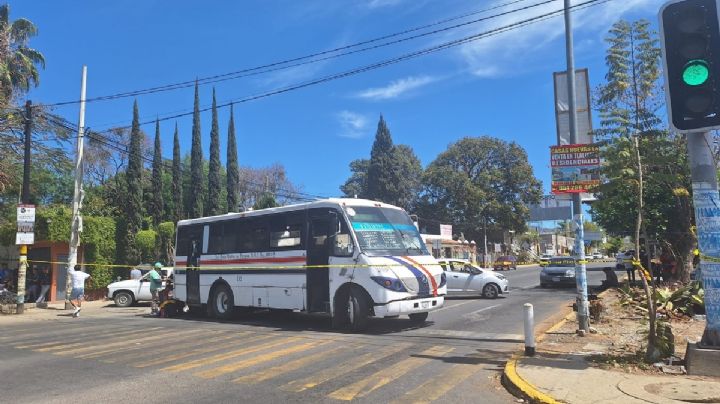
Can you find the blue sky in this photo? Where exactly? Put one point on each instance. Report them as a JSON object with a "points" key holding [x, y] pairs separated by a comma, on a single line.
{"points": [[499, 86]]}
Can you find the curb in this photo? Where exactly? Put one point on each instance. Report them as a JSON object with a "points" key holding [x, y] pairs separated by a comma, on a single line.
{"points": [[518, 386]]}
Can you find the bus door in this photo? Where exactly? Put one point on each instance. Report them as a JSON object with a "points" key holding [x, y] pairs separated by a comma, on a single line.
{"points": [[318, 253], [192, 270]]}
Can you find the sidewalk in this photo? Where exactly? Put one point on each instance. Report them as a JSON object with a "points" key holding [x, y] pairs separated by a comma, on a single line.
{"points": [[56, 310], [561, 371]]}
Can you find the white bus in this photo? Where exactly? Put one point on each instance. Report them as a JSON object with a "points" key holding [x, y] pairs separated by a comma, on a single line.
{"points": [[350, 258]]}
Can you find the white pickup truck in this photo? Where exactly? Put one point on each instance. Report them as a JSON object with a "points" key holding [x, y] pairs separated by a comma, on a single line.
{"points": [[128, 292]]}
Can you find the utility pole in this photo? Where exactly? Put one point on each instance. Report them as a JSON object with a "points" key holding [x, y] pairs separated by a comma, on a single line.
{"points": [[25, 199], [485, 241], [580, 270], [77, 195]]}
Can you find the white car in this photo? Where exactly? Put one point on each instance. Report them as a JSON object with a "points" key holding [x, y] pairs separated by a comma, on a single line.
{"points": [[128, 292], [624, 260], [465, 278]]}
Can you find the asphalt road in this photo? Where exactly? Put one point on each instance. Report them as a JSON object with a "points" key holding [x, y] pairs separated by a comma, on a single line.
{"points": [[120, 355]]}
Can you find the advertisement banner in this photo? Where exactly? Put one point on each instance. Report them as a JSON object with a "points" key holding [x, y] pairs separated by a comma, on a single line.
{"points": [[575, 168]]}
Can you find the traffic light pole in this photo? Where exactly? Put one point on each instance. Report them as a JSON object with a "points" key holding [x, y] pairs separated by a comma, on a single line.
{"points": [[580, 271], [707, 220]]}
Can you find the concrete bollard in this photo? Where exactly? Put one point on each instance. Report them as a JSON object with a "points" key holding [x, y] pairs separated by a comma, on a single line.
{"points": [[529, 330]]}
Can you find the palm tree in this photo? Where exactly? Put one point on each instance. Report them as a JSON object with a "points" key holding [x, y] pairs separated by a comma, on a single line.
{"points": [[17, 61]]}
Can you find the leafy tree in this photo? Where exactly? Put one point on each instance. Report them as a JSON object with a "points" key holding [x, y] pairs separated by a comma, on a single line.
{"points": [[214, 185], [195, 196], [356, 185], [177, 194], [480, 180], [134, 196], [18, 62], [255, 182], [157, 174], [267, 200], [233, 174]]}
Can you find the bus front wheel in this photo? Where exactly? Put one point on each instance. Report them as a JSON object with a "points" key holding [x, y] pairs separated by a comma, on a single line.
{"points": [[222, 302], [352, 311]]}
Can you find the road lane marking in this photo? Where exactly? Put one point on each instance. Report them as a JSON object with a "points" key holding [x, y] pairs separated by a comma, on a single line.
{"points": [[445, 307], [474, 314], [229, 355], [143, 344], [246, 363], [279, 370], [471, 335], [202, 350], [169, 348], [438, 385], [367, 385], [49, 340], [326, 374], [106, 344], [89, 343]]}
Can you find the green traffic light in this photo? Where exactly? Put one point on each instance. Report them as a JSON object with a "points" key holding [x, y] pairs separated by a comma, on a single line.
{"points": [[695, 72]]}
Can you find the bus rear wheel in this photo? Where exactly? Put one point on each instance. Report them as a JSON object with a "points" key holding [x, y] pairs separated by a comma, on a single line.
{"points": [[222, 302]]}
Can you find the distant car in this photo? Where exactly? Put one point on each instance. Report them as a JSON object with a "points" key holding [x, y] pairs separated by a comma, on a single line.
{"points": [[597, 256], [545, 259], [560, 271], [465, 278], [505, 262], [624, 260], [128, 292]]}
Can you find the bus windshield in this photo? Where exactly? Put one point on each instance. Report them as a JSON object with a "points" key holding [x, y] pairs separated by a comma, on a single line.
{"points": [[385, 231]]}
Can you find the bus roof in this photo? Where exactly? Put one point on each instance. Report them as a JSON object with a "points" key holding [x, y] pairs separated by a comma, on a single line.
{"points": [[330, 202]]}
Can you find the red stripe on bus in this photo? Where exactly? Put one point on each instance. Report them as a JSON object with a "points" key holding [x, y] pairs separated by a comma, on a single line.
{"points": [[429, 275], [253, 260]]}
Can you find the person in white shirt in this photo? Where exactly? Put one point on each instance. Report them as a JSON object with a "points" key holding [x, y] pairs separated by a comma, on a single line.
{"points": [[78, 288], [135, 273]]}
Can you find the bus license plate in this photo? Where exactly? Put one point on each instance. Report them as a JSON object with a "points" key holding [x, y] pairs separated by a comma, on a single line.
{"points": [[425, 305], [556, 279]]}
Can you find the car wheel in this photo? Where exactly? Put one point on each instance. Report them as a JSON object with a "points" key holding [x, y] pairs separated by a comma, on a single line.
{"points": [[418, 318], [490, 291], [123, 299], [222, 302]]}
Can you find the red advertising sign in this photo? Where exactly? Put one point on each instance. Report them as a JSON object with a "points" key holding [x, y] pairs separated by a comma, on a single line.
{"points": [[575, 168]]}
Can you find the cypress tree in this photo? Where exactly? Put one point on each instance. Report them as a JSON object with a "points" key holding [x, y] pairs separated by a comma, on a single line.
{"points": [[233, 175], [214, 185], [195, 208], [177, 211], [133, 204], [157, 188], [379, 177]]}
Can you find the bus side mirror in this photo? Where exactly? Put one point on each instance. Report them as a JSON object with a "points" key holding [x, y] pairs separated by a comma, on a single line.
{"points": [[342, 245]]}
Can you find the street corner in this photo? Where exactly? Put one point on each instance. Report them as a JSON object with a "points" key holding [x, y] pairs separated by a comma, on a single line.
{"points": [[518, 386]]}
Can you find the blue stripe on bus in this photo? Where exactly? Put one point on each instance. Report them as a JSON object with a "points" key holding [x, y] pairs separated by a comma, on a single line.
{"points": [[424, 288]]}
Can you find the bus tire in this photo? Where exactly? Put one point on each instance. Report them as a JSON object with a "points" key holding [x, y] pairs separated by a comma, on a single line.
{"points": [[418, 318], [222, 302], [358, 311]]}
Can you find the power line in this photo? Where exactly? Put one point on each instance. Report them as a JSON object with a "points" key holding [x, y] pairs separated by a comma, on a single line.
{"points": [[388, 62], [290, 63]]}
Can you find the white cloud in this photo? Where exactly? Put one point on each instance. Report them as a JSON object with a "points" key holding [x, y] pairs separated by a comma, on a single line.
{"points": [[353, 124], [382, 3], [396, 88], [490, 56]]}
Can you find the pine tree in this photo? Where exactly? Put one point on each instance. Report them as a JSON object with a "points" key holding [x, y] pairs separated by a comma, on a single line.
{"points": [[379, 183], [233, 175], [177, 194], [157, 189], [214, 182], [195, 208], [133, 204]]}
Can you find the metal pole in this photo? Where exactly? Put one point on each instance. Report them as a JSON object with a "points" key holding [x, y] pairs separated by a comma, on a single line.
{"points": [[580, 271], [25, 199], [706, 202], [77, 195], [529, 325], [485, 242]]}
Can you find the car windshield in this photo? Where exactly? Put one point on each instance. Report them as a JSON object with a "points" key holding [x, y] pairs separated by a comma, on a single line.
{"points": [[385, 231], [562, 262]]}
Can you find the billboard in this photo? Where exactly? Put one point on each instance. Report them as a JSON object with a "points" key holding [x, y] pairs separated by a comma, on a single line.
{"points": [[582, 105], [575, 168], [551, 208]]}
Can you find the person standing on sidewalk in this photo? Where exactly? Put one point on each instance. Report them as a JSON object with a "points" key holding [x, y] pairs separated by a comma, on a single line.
{"points": [[44, 280], [78, 288], [155, 285]]}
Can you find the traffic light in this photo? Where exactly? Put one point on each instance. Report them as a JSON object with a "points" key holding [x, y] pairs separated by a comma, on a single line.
{"points": [[691, 54]]}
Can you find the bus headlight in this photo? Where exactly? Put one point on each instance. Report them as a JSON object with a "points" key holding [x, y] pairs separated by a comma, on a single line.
{"points": [[393, 284]]}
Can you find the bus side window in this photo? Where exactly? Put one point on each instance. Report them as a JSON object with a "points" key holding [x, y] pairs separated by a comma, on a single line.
{"points": [[343, 244], [216, 238], [230, 235]]}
